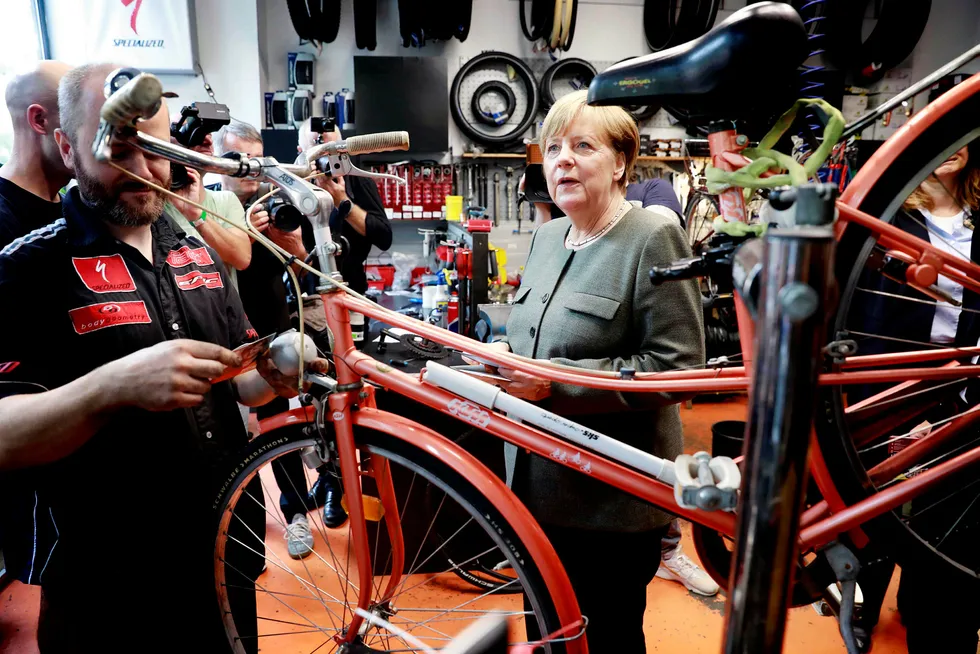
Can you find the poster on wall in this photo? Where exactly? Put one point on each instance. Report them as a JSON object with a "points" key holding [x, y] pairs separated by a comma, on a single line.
{"points": [[152, 35]]}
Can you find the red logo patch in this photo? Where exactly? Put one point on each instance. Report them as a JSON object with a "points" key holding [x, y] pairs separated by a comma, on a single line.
{"points": [[197, 279], [186, 256], [108, 314], [104, 274], [8, 367]]}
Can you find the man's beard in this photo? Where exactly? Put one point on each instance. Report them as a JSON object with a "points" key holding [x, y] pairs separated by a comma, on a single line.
{"points": [[137, 212]]}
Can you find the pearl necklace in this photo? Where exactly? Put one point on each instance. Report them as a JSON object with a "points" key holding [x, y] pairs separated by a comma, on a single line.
{"points": [[573, 244]]}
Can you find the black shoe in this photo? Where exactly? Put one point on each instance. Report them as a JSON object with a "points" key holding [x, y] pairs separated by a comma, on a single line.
{"points": [[327, 492]]}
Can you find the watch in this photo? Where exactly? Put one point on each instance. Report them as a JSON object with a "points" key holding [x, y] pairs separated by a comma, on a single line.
{"points": [[344, 208]]}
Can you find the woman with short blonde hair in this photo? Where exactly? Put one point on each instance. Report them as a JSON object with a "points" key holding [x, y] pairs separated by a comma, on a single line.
{"points": [[586, 300]]}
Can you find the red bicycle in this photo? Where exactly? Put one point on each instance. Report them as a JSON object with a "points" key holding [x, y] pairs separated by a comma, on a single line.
{"points": [[413, 495]]}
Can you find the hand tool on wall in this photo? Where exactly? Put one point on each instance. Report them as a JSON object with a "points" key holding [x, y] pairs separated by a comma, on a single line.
{"points": [[496, 198], [510, 192]]}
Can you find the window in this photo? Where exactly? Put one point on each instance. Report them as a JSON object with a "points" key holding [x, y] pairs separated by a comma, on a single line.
{"points": [[20, 48]]}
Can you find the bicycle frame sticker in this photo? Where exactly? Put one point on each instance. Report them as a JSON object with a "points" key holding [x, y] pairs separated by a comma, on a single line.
{"points": [[469, 412], [584, 465]]}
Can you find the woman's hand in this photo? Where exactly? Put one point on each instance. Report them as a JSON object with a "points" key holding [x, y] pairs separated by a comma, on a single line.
{"points": [[499, 345], [527, 387]]}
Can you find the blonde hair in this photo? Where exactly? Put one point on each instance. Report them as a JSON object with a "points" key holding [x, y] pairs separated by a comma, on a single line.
{"points": [[617, 126], [967, 191]]}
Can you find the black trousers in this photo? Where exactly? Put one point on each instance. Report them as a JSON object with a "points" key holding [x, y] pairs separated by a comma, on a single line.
{"points": [[610, 572]]}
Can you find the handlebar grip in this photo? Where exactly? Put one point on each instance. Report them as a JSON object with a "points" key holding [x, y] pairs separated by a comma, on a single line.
{"points": [[683, 269], [140, 97], [380, 142]]}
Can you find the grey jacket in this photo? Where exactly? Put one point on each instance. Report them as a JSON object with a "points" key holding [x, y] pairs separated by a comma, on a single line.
{"points": [[596, 308]]}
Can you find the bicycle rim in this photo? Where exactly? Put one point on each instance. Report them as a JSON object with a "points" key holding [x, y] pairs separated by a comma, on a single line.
{"points": [[863, 430], [303, 603]]}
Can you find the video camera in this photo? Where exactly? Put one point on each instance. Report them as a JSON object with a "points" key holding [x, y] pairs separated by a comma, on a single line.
{"points": [[196, 121]]}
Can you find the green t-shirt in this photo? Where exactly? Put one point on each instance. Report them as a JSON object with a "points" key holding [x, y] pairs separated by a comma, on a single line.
{"points": [[223, 203]]}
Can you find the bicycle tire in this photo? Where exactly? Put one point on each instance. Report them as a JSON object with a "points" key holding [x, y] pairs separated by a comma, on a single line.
{"points": [[567, 40], [274, 445], [834, 431], [587, 71], [366, 24], [456, 104]]}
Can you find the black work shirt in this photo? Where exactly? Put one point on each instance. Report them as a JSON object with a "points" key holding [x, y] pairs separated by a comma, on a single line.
{"points": [[21, 211], [77, 298]]}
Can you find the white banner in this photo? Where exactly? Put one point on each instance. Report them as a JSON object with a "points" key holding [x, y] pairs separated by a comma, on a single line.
{"points": [[152, 35]]}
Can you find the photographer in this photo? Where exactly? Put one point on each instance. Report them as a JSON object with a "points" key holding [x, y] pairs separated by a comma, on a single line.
{"points": [[193, 129]]}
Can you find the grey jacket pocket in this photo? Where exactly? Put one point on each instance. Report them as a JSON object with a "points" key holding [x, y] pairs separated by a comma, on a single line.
{"points": [[593, 305]]}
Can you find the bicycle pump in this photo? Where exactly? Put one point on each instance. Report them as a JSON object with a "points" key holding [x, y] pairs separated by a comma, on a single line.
{"points": [[786, 280]]}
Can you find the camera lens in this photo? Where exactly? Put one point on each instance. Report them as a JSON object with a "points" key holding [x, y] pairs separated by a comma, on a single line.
{"points": [[178, 177], [285, 217]]}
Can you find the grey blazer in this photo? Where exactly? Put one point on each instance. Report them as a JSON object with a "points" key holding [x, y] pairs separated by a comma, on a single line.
{"points": [[596, 308]]}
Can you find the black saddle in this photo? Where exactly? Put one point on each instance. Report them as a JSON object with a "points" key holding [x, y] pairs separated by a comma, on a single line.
{"points": [[744, 65]]}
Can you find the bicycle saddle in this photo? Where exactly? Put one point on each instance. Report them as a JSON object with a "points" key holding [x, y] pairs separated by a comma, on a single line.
{"points": [[712, 76]]}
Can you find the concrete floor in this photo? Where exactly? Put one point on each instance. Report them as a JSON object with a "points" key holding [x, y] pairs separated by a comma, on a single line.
{"points": [[676, 621]]}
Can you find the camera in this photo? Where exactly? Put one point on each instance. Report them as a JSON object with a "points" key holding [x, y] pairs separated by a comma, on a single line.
{"points": [[196, 121], [284, 216]]}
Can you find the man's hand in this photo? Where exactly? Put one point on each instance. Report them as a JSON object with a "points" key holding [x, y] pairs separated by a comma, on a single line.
{"points": [[291, 242], [169, 375], [335, 187], [287, 386], [193, 191], [260, 220]]}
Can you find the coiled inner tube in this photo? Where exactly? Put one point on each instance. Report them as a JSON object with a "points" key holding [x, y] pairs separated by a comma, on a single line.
{"points": [[495, 117]]}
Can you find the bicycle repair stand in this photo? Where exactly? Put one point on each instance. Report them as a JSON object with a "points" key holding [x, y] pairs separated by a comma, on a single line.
{"points": [[785, 279]]}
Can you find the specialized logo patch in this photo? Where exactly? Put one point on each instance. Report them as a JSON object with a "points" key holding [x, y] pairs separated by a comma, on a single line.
{"points": [[104, 274], [108, 314], [197, 279], [186, 255]]}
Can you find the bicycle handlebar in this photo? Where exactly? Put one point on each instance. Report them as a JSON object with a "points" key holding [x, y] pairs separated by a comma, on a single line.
{"points": [[366, 144]]}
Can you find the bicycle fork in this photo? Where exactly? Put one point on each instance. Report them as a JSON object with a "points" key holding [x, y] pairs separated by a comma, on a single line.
{"points": [[350, 391]]}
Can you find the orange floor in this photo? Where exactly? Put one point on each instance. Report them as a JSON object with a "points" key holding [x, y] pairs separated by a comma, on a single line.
{"points": [[676, 621]]}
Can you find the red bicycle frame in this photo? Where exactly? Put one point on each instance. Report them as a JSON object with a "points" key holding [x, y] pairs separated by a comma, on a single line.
{"points": [[821, 524]]}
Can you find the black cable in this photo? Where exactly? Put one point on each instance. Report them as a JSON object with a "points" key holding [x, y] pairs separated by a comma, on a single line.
{"points": [[366, 24], [898, 30]]}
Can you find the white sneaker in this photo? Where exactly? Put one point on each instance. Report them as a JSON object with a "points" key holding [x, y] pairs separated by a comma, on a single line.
{"points": [[299, 538], [683, 570]]}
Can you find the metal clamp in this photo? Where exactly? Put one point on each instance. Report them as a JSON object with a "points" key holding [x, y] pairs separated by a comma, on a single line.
{"points": [[706, 483]]}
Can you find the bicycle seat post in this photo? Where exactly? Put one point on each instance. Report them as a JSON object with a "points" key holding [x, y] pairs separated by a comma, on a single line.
{"points": [[793, 298]]}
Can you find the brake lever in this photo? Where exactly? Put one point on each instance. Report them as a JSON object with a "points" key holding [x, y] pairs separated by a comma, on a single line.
{"points": [[340, 164]]}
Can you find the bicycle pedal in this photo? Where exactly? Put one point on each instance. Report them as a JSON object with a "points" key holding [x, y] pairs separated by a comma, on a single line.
{"points": [[374, 510]]}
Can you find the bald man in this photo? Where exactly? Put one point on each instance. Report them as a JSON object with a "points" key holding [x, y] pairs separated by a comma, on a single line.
{"points": [[106, 398], [35, 172]]}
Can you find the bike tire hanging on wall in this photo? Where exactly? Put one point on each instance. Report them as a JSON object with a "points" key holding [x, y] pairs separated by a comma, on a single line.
{"points": [[580, 71], [317, 21], [433, 20], [366, 24], [668, 23], [541, 21], [474, 117], [900, 26]]}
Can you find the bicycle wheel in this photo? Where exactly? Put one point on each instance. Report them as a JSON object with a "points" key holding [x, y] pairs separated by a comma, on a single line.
{"points": [[862, 430], [301, 604], [702, 209]]}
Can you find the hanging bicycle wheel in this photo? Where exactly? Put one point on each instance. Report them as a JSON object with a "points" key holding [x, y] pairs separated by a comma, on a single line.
{"points": [[702, 209], [874, 436], [494, 99], [563, 77], [304, 602]]}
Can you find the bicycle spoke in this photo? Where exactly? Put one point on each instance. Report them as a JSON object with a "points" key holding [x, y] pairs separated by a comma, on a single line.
{"points": [[921, 466], [958, 520], [486, 594], [432, 522], [917, 430], [261, 587], [458, 566], [937, 346], [938, 502], [915, 300]]}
